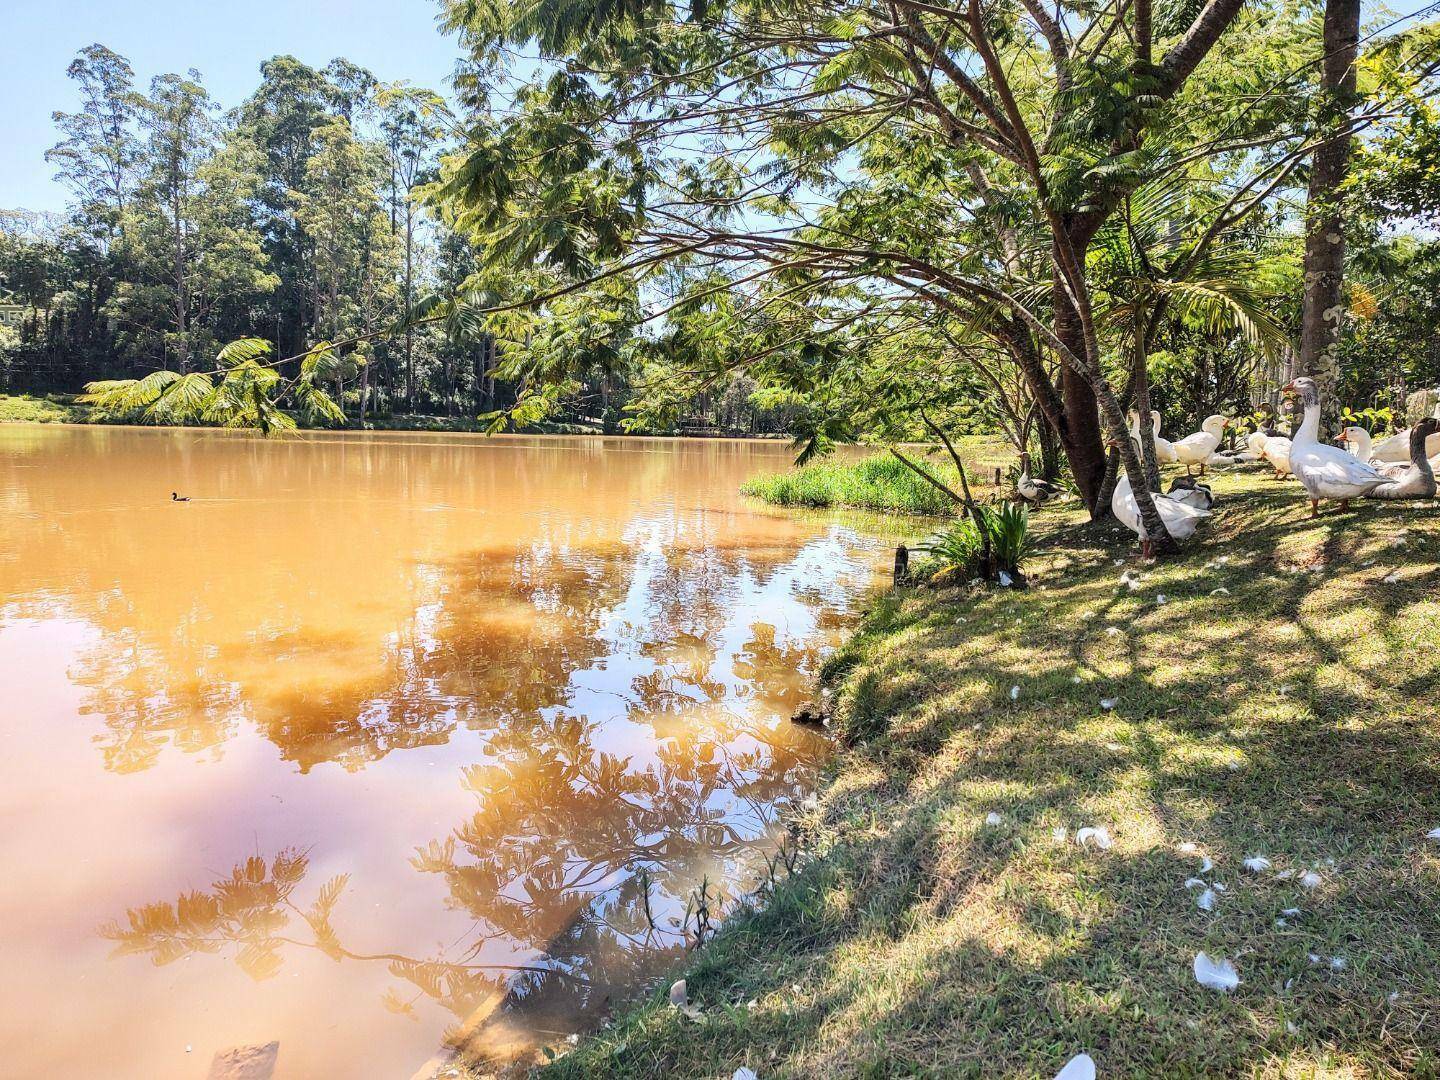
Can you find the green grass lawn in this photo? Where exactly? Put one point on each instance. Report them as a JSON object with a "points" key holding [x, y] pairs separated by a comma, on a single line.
{"points": [[884, 483], [1282, 702]]}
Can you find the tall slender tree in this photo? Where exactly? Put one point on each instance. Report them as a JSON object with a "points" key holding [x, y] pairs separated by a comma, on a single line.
{"points": [[1324, 304], [97, 156]]}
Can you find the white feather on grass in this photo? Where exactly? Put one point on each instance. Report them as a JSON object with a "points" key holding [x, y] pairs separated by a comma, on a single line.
{"points": [[1309, 880], [743, 1073], [1080, 1067], [1206, 900], [1256, 863], [1097, 835], [1216, 974], [992, 818], [1433, 834]]}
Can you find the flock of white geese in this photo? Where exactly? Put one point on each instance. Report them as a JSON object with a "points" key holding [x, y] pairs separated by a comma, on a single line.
{"points": [[1401, 466]]}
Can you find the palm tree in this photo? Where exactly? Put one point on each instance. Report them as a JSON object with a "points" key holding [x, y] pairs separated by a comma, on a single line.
{"points": [[1161, 260]]}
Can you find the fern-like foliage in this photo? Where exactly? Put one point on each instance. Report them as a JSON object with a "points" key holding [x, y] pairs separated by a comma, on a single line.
{"points": [[244, 391]]}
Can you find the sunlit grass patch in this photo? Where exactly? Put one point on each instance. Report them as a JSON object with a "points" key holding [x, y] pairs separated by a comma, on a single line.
{"points": [[26, 409]]}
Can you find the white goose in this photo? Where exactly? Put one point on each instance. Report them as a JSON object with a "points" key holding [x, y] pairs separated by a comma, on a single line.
{"points": [[1196, 449], [1180, 520], [1325, 471], [1357, 441], [1276, 449], [1164, 448], [1397, 447]]}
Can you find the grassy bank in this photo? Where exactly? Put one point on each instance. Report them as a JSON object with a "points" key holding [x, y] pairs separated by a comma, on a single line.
{"points": [[28, 409], [1281, 703], [881, 483]]}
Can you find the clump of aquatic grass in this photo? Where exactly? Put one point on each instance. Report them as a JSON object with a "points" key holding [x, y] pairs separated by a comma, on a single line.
{"points": [[875, 483]]}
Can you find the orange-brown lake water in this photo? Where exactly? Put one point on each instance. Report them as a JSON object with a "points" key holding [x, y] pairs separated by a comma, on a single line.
{"points": [[383, 740]]}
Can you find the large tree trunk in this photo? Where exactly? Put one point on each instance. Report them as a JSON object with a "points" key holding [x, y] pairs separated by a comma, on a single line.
{"points": [[1324, 224], [1081, 436]]}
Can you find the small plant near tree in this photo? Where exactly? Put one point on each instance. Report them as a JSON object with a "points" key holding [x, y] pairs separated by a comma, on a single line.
{"points": [[959, 553]]}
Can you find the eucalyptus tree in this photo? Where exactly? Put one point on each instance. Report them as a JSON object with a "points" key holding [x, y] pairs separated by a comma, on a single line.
{"points": [[192, 243], [412, 124], [97, 156], [292, 102]]}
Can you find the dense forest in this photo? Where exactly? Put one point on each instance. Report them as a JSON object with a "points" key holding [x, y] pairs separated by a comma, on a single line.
{"points": [[297, 217], [879, 221]]}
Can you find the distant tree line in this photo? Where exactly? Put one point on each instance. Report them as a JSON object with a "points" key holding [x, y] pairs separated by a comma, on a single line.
{"points": [[297, 217]]}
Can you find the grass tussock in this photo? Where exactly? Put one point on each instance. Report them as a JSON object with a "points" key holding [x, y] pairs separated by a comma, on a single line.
{"points": [[880, 483], [1281, 702]]}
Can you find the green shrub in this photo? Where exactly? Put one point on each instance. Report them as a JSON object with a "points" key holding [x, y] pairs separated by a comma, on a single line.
{"points": [[957, 553]]}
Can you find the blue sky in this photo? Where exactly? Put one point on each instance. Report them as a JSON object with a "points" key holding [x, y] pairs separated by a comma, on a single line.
{"points": [[226, 41]]}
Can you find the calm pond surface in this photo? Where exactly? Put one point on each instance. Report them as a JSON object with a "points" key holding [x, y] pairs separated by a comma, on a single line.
{"points": [[380, 742]]}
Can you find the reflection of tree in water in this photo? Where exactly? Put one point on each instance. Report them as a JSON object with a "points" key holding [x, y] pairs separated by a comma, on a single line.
{"points": [[568, 838], [568, 849], [499, 639], [254, 915], [496, 638], [142, 716], [592, 809]]}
